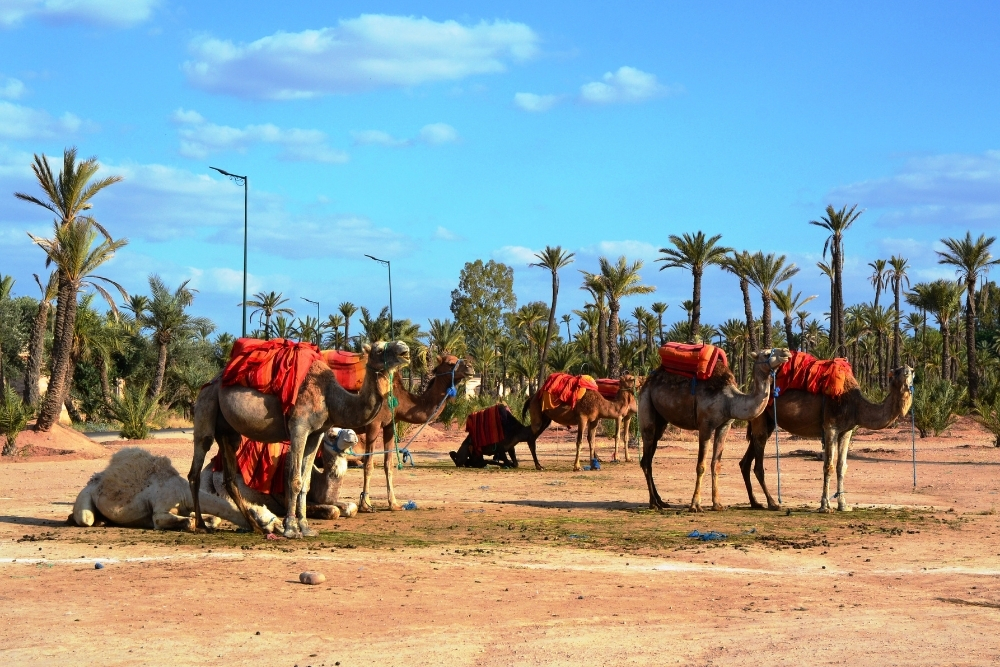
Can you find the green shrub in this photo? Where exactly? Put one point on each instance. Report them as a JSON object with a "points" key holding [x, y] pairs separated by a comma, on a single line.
{"points": [[134, 409], [936, 406], [988, 414], [14, 416]]}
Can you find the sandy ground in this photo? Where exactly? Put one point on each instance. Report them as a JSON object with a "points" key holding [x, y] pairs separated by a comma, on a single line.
{"points": [[501, 567]]}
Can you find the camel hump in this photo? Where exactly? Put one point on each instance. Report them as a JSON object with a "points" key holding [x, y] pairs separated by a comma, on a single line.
{"points": [[130, 470]]}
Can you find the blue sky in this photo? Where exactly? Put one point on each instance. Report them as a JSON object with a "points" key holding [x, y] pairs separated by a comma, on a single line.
{"points": [[436, 133]]}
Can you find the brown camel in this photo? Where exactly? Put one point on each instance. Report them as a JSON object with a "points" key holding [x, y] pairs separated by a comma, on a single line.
{"points": [[413, 409], [589, 410], [833, 421], [707, 406], [224, 413]]}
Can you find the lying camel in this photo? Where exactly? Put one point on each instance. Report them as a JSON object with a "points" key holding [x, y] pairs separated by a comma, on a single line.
{"points": [[145, 491], [513, 431], [324, 490]]}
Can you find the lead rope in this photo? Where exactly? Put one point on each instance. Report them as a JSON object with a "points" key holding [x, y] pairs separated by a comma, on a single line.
{"points": [[913, 436]]}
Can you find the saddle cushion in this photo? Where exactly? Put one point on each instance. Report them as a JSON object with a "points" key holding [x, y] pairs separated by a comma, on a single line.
{"points": [[692, 361], [565, 389], [276, 366]]}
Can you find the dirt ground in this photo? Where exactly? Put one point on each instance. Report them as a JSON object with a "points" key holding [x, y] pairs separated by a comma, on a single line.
{"points": [[502, 567]]}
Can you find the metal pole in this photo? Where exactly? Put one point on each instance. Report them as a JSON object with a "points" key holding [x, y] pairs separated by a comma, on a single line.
{"points": [[777, 450], [245, 182], [315, 303], [913, 438], [392, 327]]}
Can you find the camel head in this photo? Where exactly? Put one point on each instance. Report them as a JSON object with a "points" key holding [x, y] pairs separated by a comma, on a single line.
{"points": [[772, 358], [901, 382], [629, 382], [448, 363], [386, 357], [336, 443]]}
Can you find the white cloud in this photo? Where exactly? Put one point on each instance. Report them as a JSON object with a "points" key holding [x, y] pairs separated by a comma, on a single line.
{"points": [[633, 250], [200, 138], [369, 52], [535, 103], [516, 255], [117, 13], [445, 234], [20, 122], [436, 134], [954, 189], [626, 85], [378, 138], [11, 89]]}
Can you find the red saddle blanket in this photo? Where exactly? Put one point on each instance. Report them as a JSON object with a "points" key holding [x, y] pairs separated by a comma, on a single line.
{"points": [[485, 427], [566, 389], [348, 368], [608, 387], [692, 361], [832, 377], [262, 465], [276, 366]]}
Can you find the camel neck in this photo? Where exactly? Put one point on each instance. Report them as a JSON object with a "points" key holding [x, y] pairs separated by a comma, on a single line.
{"points": [[879, 415], [748, 406], [428, 401]]}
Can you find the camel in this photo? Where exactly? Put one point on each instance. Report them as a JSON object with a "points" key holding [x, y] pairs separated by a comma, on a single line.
{"points": [[589, 410], [224, 413], [324, 490], [412, 409], [833, 421], [142, 490], [514, 433], [707, 406]]}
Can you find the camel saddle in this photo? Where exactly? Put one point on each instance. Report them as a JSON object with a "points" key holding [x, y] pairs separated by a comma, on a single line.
{"points": [[691, 361], [565, 389], [275, 366], [261, 464], [348, 368], [487, 427], [830, 377], [608, 387]]}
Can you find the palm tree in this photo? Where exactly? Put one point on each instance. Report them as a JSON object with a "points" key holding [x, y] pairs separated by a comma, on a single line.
{"points": [[788, 304], [375, 328], [283, 327], [803, 317], [347, 309], [594, 283], [36, 340], [445, 336], [268, 305], [621, 280], [739, 264], [96, 337], [766, 273], [970, 259], [309, 329], [896, 276], [333, 324], [878, 278], [567, 320], [589, 318], [660, 309], [694, 253], [166, 318], [553, 259], [71, 250], [943, 298], [837, 222]]}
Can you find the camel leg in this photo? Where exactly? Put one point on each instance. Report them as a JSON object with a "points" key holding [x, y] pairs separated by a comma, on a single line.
{"points": [[84, 509], [581, 425], [229, 443], [623, 429], [703, 436], [308, 456], [845, 443], [388, 465], [513, 456], [651, 431], [829, 442], [206, 418], [539, 422], [365, 503], [591, 432], [755, 455], [323, 511], [299, 433], [171, 521], [718, 444]]}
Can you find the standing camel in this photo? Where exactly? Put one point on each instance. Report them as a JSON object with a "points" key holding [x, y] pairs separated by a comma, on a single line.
{"points": [[225, 412], [809, 415], [589, 410], [412, 409], [707, 406]]}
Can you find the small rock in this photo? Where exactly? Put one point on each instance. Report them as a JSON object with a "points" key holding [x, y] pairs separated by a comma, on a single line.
{"points": [[258, 632], [312, 578], [98, 566]]}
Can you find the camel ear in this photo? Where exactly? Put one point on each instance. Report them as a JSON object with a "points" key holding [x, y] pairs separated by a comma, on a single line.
{"points": [[440, 359], [367, 348]]}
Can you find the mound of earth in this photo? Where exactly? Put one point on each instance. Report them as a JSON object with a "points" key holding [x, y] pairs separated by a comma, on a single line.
{"points": [[60, 441]]}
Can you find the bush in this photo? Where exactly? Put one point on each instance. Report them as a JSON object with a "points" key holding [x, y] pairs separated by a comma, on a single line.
{"points": [[14, 416], [988, 414], [134, 409], [936, 406]]}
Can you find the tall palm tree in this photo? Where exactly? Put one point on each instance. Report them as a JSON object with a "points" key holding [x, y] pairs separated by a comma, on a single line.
{"points": [[837, 222], [73, 252], [970, 259], [36, 340], [694, 252], [621, 280], [594, 283], [878, 278], [376, 328], [766, 273], [553, 259], [589, 317], [347, 309], [944, 298], [920, 297], [896, 275], [739, 264], [167, 319], [333, 324], [660, 309], [445, 336], [788, 304], [268, 305], [567, 320]]}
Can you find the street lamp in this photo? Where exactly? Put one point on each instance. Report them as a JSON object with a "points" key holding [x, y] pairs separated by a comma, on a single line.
{"points": [[315, 303], [244, 181], [392, 331]]}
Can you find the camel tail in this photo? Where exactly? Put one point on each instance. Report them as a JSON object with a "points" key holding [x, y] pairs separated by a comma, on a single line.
{"points": [[229, 468], [750, 431], [524, 408]]}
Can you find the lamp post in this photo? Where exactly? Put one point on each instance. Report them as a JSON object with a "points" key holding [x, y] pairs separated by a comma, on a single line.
{"points": [[315, 303], [244, 181], [392, 330]]}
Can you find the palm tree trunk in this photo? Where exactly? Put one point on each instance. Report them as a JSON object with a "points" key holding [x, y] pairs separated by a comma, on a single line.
{"points": [[659, 321], [267, 326], [544, 354], [102, 371], [748, 309], [766, 340], [694, 335], [61, 350], [896, 340], [36, 352], [945, 351], [970, 337], [161, 369], [788, 334], [602, 333], [614, 359]]}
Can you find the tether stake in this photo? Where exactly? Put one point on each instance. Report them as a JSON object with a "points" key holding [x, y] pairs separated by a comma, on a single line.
{"points": [[913, 436], [777, 450]]}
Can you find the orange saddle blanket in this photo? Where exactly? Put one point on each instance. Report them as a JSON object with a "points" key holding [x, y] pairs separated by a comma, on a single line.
{"points": [[692, 361], [262, 465], [276, 366], [348, 368], [832, 377], [565, 389], [608, 387]]}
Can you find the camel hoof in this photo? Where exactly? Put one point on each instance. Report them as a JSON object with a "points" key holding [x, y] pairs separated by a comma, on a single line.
{"points": [[366, 509], [774, 508], [291, 530], [307, 531], [395, 507], [844, 508], [349, 510], [718, 507], [695, 508], [825, 510], [538, 467], [577, 468]]}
